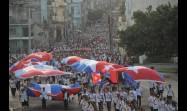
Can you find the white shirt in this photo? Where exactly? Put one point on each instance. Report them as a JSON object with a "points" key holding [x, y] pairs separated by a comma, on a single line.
{"points": [[151, 101], [125, 94], [90, 108], [12, 84], [151, 84], [44, 95], [139, 91], [23, 96], [85, 106], [162, 106], [128, 108], [82, 102], [65, 95], [122, 105], [135, 94], [92, 97], [100, 97], [161, 87], [156, 103], [108, 96], [130, 97], [115, 96], [170, 92], [118, 103]]}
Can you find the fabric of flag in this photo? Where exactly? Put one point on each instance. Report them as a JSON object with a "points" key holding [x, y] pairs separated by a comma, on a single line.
{"points": [[103, 83], [32, 59], [113, 76], [55, 91], [96, 78], [127, 79], [37, 70], [40, 56], [141, 73], [34, 90], [70, 60]]}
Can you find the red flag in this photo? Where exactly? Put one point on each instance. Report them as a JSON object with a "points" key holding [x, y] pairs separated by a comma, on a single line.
{"points": [[113, 76], [96, 77]]}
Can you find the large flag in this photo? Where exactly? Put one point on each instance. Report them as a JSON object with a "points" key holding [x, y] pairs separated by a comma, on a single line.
{"points": [[40, 56], [55, 91], [141, 73], [32, 59], [70, 60], [38, 70]]}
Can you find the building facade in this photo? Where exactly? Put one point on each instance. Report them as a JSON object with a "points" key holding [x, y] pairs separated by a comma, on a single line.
{"points": [[19, 14], [76, 13], [44, 11]]}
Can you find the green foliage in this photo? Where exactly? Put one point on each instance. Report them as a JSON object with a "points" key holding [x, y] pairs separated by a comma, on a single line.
{"points": [[155, 33]]}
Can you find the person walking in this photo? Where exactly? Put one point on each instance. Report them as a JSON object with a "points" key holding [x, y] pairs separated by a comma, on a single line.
{"points": [[161, 89], [170, 93], [23, 99], [18, 85], [115, 97], [100, 99], [13, 87], [156, 103], [92, 99], [66, 96], [139, 94], [151, 101], [108, 99], [44, 98]]}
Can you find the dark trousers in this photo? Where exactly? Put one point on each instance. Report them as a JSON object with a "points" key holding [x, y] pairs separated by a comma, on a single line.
{"points": [[18, 86], [139, 100], [115, 106], [65, 103], [151, 90], [155, 109], [108, 103], [161, 93], [43, 103], [13, 91], [169, 98], [151, 108], [100, 106], [94, 105]]}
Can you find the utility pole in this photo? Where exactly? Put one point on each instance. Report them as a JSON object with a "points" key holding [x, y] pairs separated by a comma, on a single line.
{"points": [[110, 27], [29, 47]]}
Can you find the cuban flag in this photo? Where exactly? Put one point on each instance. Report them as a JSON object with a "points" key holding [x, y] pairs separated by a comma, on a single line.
{"points": [[70, 60], [34, 90], [41, 56], [96, 78], [32, 59], [38, 70], [22, 64], [53, 91]]}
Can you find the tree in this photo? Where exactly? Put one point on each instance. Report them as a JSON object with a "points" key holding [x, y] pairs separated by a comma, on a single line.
{"points": [[155, 33]]}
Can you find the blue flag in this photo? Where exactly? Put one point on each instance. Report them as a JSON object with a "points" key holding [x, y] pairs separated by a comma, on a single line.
{"points": [[128, 80]]}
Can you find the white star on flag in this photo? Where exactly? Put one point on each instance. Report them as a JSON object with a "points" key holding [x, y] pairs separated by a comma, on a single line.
{"points": [[133, 68], [39, 55], [107, 67]]}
